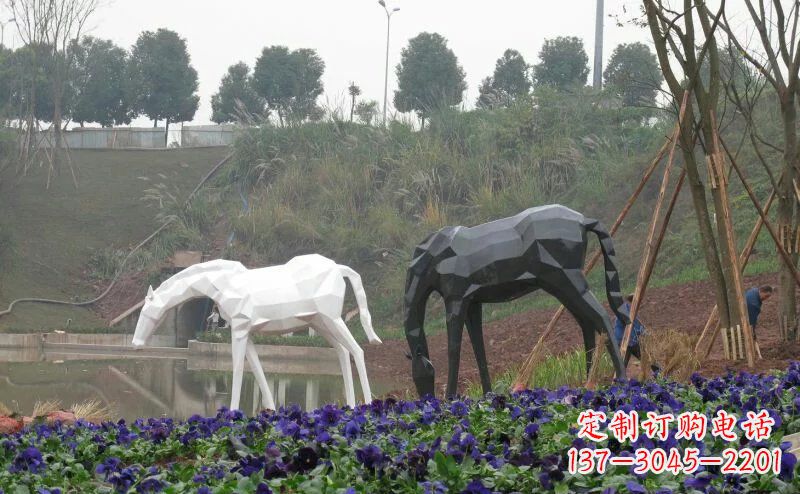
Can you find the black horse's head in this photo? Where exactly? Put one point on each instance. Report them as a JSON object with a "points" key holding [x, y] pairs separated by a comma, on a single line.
{"points": [[422, 373]]}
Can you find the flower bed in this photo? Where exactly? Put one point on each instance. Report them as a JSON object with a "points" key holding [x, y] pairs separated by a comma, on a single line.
{"points": [[514, 443]]}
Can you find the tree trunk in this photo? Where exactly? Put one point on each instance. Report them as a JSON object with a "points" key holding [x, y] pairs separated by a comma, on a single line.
{"points": [[727, 269], [30, 132], [786, 214], [707, 240], [57, 93], [352, 108], [166, 132], [155, 123]]}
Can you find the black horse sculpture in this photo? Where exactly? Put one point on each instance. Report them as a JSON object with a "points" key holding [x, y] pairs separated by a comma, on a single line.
{"points": [[542, 247]]}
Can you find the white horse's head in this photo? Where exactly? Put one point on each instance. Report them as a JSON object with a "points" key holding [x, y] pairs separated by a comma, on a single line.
{"points": [[149, 317]]}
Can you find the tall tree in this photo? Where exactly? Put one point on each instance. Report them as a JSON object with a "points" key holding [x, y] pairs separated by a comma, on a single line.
{"points": [[366, 111], [633, 74], [563, 63], [289, 81], [163, 80], [511, 74], [488, 98], [55, 24], [6, 81], [509, 81], [236, 95], [354, 92], [99, 83], [777, 60], [31, 95], [682, 46], [429, 76]]}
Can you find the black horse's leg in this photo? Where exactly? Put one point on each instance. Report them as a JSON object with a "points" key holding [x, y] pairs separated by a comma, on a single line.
{"points": [[422, 371], [475, 329], [455, 330], [572, 290]]}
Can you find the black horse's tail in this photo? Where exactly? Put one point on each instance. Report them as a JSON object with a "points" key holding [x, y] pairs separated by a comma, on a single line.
{"points": [[612, 275]]}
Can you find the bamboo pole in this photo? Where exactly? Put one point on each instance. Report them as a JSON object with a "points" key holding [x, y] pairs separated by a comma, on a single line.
{"points": [[646, 265], [717, 161], [523, 376], [725, 351], [744, 258], [787, 259], [654, 255]]}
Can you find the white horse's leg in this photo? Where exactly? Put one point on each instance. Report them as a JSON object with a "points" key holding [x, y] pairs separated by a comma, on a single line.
{"points": [[343, 335], [329, 330], [238, 350], [258, 371], [347, 373]]}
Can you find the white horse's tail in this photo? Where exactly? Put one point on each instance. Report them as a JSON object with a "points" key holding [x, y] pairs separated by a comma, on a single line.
{"points": [[361, 299]]}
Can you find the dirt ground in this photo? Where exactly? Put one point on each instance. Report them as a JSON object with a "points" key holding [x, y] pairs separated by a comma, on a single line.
{"points": [[508, 341]]}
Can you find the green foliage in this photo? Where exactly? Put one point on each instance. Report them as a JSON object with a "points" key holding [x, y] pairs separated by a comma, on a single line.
{"points": [[509, 81], [568, 369], [365, 196], [7, 82], [236, 96], [223, 335], [30, 75], [429, 77], [563, 63], [366, 111], [634, 75], [99, 79], [163, 82], [289, 81]]}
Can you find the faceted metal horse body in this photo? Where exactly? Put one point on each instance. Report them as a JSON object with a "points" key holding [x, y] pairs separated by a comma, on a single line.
{"points": [[539, 248], [307, 291]]}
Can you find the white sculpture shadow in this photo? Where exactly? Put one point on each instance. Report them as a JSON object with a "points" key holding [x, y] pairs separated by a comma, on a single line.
{"points": [[307, 291]]}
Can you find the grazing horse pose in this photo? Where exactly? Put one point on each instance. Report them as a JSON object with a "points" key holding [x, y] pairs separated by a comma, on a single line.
{"points": [[307, 291], [542, 247]]}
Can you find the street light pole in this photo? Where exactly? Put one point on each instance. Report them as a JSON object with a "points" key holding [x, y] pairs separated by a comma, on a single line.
{"points": [[3, 30], [386, 74], [597, 73]]}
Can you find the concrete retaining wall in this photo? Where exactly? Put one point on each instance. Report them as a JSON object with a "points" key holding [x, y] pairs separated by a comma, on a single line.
{"points": [[275, 359], [35, 340], [30, 340], [123, 340]]}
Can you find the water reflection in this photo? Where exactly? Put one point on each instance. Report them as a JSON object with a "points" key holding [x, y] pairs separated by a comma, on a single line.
{"points": [[155, 387]]}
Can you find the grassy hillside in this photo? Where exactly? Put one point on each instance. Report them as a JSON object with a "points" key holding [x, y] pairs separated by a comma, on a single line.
{"points": [[54, 234], [362, 195], [365, 196]]}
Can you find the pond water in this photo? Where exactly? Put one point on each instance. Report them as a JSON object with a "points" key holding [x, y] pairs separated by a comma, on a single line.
{"points": [[152, 387]]}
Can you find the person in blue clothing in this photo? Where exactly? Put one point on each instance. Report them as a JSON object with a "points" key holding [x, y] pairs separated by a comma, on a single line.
{"points": [[754, 297], [637, 331]]}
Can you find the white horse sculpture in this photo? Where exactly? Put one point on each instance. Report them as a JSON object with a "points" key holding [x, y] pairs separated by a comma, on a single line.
{"points": [[307, 291]]}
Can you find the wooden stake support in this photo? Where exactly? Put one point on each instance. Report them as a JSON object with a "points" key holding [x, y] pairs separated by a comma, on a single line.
{"points": [[524, 374], [719, 162], [787, 259], [726, 344], [744, 258], [651, 248]]}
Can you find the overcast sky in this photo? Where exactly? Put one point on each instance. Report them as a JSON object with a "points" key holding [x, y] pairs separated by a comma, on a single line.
{"points": [[350, 35]]}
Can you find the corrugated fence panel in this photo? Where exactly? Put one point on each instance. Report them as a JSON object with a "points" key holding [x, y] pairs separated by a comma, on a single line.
{"points": [[143, 138]]}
